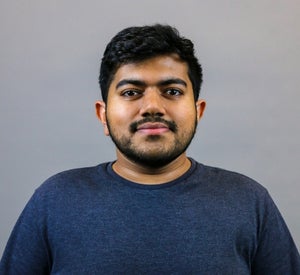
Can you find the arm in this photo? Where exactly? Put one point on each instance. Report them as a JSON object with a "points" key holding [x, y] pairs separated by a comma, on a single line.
{"points": [[27, 251], [276, 252]]}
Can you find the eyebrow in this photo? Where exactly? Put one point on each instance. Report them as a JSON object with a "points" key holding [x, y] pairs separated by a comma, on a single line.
{"points": [[137, 82]]}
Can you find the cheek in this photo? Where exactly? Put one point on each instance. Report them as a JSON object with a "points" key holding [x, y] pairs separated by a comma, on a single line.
{"points": [[184, 115], [119, 118]]}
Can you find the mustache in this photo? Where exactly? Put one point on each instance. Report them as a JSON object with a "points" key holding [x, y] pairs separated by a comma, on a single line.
{"points": [[170, 124]]}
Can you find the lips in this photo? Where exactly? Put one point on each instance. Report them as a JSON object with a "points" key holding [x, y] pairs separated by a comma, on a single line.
{"points": [[153, 125], [153, 128]]}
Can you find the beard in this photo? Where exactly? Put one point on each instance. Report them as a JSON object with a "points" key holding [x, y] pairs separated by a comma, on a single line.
{"points": [[156, 151]]}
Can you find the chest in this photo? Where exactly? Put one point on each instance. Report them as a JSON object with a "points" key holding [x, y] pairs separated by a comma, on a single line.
{"points": [[152, 233]]}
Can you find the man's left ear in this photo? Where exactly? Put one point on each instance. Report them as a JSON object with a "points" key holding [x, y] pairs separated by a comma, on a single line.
{"points": [[200, 107]]}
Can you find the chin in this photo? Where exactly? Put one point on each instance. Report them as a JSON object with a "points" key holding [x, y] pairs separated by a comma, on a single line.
{"points": [[154, 161]]}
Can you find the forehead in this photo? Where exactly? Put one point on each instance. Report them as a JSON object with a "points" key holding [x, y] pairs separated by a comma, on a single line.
{"points": [[154, 69]]}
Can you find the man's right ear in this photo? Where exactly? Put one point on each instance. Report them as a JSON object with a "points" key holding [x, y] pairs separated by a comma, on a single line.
{"points": [[101, 114]]}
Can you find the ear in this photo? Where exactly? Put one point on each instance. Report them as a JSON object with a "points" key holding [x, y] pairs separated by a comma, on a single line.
{"points": [[100, 108], [200, 107]]}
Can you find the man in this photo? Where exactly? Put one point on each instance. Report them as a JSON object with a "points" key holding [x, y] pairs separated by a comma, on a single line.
{"points": [[153, 210]]}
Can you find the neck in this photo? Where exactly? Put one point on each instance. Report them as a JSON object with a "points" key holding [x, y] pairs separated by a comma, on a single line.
{"points": [[146, 175]]}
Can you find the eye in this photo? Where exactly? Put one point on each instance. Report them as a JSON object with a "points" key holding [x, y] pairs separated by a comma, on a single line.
{"points": [[173, 92], [131, 93]]}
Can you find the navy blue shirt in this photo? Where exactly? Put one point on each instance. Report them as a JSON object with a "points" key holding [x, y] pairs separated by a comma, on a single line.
{"points": [[208, 221]]}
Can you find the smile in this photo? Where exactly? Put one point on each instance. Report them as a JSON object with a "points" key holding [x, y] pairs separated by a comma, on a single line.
{"points": [[155, 128]]}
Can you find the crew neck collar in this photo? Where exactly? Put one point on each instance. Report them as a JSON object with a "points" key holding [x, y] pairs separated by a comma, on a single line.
{"points": [[122, 180]]}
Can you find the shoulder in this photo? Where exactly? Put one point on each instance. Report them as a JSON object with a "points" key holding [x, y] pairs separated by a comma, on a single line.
{"points": [[84, 178], [243, 196], [229, 184], [225, 177]]}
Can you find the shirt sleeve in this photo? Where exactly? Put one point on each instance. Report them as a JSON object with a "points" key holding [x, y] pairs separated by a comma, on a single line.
{"points": [[276, 251], [26, 250]]}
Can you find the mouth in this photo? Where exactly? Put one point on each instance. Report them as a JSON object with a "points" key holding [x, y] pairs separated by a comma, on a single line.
{"points": [[153, 128]]}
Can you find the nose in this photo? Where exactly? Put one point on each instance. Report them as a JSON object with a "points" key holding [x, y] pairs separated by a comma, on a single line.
{"points": [[152, 103]]}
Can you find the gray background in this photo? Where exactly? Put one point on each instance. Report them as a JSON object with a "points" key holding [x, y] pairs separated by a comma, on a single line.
{"points": [[49, 62]]}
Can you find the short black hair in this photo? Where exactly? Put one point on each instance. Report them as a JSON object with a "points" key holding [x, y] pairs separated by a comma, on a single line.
{"points": [[136, 44]]}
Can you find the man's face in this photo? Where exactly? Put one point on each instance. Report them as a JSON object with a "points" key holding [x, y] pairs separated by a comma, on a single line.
{"points": [[151, 114]]}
